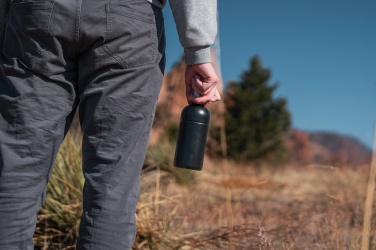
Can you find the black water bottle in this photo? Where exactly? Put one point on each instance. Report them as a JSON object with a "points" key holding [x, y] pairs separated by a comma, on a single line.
{"points": [[193, 131]]}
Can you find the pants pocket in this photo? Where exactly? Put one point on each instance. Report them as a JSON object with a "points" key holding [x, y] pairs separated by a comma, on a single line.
{"points": [[131, 35], [26, 30]]}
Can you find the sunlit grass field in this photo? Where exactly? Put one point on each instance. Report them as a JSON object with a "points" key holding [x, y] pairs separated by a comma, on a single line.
{"points": [[226, 206]]}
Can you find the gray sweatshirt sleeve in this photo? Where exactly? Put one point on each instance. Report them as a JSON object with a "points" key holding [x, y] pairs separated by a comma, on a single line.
{"points": [[196, 22]]}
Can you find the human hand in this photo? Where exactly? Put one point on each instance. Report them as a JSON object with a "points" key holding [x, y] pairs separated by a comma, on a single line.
{"points": [[202, 79]]}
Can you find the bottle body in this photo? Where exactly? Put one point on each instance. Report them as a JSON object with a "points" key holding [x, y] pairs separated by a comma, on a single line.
{"points": [[192, 135]]}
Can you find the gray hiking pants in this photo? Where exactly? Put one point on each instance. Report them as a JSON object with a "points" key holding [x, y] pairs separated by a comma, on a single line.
{"points": [[108, 57]]}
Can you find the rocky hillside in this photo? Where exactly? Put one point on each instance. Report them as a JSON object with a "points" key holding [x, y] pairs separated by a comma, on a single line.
{"points": [[326, 148]]}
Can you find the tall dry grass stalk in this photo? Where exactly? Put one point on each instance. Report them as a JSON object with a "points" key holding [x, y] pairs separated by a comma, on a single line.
{"points": [[369, 200], [225, 163]]}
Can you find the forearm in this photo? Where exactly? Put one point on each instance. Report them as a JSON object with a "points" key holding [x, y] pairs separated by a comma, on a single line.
{"points": [[196, 22]]}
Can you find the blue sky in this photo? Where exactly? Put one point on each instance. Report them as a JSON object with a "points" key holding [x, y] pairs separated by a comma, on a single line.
{"points": [[322, 53]]}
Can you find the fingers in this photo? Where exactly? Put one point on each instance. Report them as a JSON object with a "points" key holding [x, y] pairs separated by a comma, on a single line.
{"points": [[206, 71], [202, 87], [203, 79], [205, 76], [212, 96], [189, 74], [216, 96], [188, 92]]}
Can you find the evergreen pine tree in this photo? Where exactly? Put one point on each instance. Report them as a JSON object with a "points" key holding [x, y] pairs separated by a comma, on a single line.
{"points": [[256, 122]]}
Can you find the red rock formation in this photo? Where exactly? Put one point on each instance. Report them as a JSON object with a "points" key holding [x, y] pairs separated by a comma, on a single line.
{"points": [[326, 148], [299, 146]]}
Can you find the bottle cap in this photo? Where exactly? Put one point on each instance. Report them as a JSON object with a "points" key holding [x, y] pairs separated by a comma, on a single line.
{"points": [[196, 113]]}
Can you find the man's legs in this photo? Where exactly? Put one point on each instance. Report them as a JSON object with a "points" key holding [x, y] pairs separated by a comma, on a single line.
{"points": [[37, 99], [119, 50], [120, 80]]}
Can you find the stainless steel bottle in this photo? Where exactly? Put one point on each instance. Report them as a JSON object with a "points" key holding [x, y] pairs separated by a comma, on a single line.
{"points": [[192, 135]]}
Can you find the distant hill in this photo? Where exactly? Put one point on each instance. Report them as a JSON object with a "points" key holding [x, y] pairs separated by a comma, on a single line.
{"points": [[326, 148]]}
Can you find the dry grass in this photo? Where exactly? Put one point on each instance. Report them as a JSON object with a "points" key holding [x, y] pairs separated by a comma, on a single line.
{"points": [[58, 219], [291, 207], [307, 207]]}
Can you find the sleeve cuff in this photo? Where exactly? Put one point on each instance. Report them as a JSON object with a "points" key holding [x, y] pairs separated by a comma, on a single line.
{"points": [[197, 55]]}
